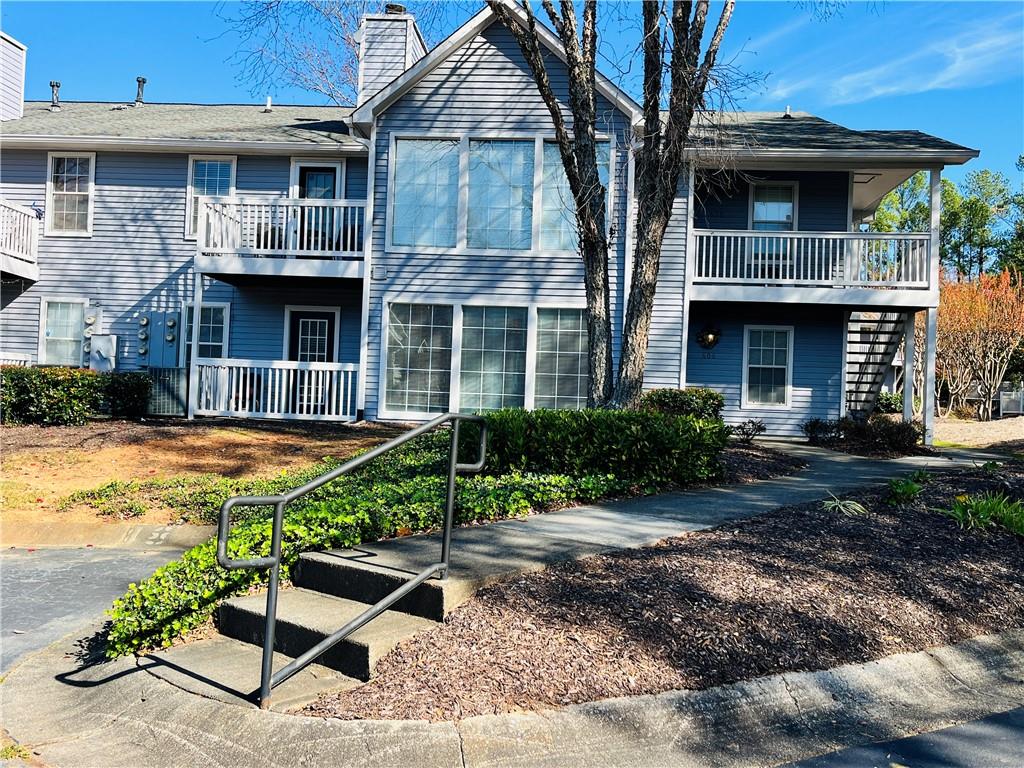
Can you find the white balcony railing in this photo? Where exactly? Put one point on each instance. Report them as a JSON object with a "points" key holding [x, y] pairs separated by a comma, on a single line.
{"points": [[276, 389], [835, 259], [19, 232], [281, 228]]}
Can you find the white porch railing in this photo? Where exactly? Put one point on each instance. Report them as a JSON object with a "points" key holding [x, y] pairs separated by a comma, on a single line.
{"points": [[19, 232], [838, 259], [276, 389], [281, 227]]}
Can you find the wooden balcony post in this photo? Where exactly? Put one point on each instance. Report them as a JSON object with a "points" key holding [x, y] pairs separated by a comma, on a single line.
{"points": [[193, 371]]}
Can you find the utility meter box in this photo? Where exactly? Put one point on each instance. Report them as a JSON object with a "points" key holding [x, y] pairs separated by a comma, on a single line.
{"points": [[103, 352]]}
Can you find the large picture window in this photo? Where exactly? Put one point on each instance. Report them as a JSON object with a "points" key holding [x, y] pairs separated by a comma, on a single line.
{"points": [[62, 332], [493, 358], [562, 359], [419, 358], [767, 364], [426, 192], [558, 209], [500, 194], [69, 191], [207, 176]]}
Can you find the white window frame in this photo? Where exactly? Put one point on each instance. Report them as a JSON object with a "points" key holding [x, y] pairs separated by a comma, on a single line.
{"points": [[744, 402], [48, 230], [186, 337], [298, 163], [289, 308], [41, 344], [771, 183], [462, 214], [233, 159], [457, 303]]}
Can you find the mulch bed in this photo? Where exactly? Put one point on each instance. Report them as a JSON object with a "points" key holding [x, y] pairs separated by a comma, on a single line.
{"points": [[798, 589], [749, 462]]}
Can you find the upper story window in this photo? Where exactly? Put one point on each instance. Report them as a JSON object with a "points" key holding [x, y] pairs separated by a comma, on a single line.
{"points": [[62, 328], [426, 192], [69, 193], [500, 194], [479, 194], [774, 207], [209, 176], [558, 209]]}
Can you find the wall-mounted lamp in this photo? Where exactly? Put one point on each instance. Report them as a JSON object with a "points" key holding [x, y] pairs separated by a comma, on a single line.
{"points": [[708, 337]]}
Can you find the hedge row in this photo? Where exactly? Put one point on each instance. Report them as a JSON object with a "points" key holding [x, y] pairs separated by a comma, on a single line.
{"points": [[69, 396]]}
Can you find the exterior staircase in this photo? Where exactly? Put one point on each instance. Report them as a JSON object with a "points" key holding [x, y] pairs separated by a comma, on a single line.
{"points": [[872, 340]]}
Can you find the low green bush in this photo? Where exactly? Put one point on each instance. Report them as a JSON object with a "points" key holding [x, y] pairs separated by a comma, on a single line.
{"points": [[746, 431], [48, 396], [127, 393], [984, 510], [889, 402], [902, 491], [699, 402], [649, 450], [879, 434]]}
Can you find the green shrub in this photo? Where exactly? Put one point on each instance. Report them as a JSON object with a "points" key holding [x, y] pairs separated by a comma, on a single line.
{"points": [[843, 506], [48, 396], [183, 594], [889, 402], [902, 491], [879, 434], [699, 402], [646, 449], [127, 393], [984, 510], [747, 430]]}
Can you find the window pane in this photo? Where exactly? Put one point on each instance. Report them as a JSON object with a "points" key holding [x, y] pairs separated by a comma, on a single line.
{"points": [[558, 210], [562, 361], [419, 358], [62, 333], [773, 207], [426, 192], [500, 194], [212, 338], [493, 358], [209, 177], [767, 366], [70, 190]]}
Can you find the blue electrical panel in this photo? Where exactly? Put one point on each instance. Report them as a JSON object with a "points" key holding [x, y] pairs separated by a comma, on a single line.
{"points": [[159, 339]]}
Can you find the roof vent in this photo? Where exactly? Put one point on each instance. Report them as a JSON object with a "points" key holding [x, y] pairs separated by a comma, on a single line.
{"points": [[55, 95], [138, 93], [268, 108], [394, 9], [789, 114]]}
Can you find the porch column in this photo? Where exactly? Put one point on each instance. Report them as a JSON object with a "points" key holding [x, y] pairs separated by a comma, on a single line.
{"points": [[908, 366], [935, 205], [193, 370], [928, 396]]}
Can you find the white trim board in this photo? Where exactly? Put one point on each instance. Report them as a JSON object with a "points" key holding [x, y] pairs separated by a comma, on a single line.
{"points": [[233, 159], [48, 231]]}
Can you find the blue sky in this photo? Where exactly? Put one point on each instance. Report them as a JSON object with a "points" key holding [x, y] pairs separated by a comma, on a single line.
{"points": [[955, 69]]}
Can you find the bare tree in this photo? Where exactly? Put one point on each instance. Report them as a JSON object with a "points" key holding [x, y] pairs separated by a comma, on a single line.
{"points": [[673, 42]]}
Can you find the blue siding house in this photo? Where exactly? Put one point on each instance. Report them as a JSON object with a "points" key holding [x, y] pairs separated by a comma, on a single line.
{"points": [[415, 253]]}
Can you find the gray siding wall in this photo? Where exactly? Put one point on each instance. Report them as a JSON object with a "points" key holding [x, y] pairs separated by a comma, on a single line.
{"points": [[485, 86], [12, 79], [138, 259], [822, 201], [818, 338], [386, 48]]}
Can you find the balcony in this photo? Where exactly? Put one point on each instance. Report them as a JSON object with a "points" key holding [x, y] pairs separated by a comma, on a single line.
{"points": [[275, 389], [19, 241], [280, 236], [817, 267]]}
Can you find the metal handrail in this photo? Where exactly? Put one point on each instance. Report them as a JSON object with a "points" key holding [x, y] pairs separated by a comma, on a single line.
{"points": [[268, 678]]}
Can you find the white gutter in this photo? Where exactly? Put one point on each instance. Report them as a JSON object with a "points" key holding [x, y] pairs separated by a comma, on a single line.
{"points": [[128, 144]]}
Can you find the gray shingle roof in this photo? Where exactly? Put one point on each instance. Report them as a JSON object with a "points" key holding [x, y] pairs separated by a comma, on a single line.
{"points": [[185, 122], [773, 130]]}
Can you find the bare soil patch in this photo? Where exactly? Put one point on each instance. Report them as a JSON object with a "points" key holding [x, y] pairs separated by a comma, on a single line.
{"points": [[42, 465], [1002, 434], [797, 589]]}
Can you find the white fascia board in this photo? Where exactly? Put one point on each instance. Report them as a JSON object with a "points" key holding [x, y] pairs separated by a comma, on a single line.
{"points": [[890, 157], [365, 113], [123, 144]]}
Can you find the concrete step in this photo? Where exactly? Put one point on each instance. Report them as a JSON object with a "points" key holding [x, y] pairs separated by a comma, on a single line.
{"points": [[305, 617], [228, 671]]}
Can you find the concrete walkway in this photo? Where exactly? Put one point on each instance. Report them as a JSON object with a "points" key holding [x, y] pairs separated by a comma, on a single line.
{"points": [[117, 713]]}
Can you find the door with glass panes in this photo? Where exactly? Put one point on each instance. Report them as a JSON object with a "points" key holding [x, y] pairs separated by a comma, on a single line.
{"points": [[317, 230], [312, 338]]}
